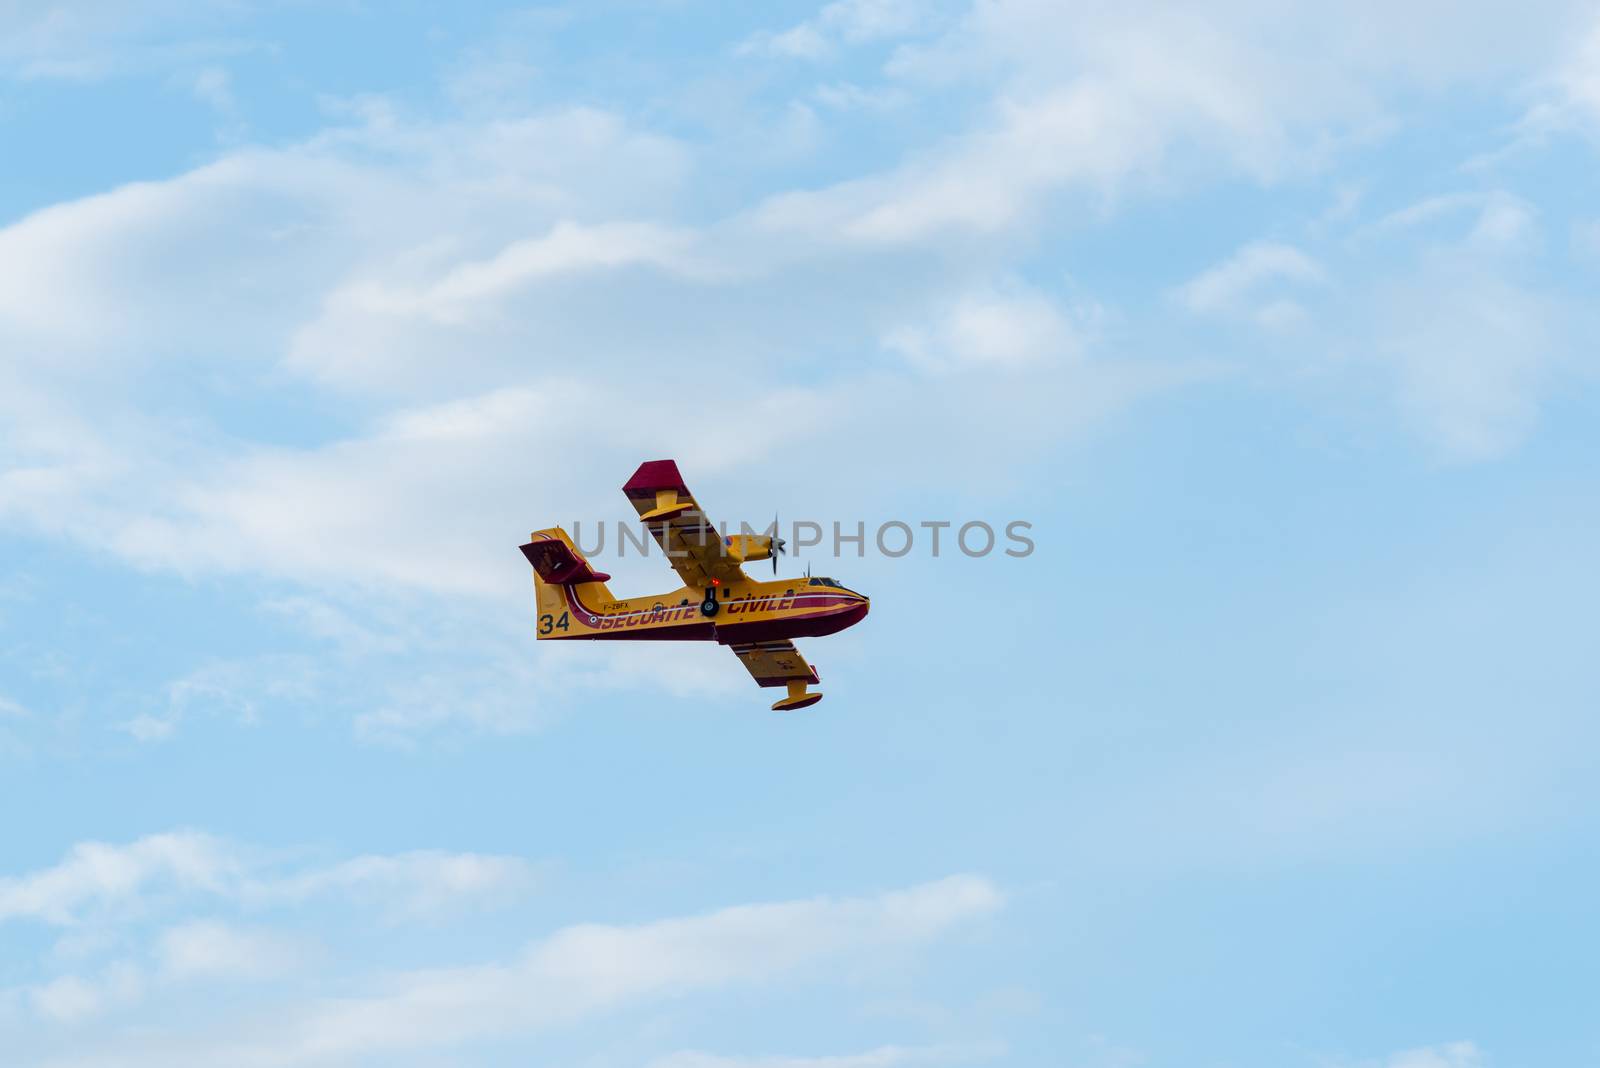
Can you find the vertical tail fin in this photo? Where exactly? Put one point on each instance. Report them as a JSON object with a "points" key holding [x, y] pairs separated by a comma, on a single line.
{"points": [[558, 564]]}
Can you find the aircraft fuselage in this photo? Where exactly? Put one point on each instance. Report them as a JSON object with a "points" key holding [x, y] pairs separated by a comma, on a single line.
{"points": [[746, 612]]}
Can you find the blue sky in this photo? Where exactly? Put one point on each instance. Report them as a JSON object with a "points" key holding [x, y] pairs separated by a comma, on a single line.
{"points": [[1278, 326]]}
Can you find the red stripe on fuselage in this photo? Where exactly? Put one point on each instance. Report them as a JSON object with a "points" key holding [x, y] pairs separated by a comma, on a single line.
{"points": [[684, 622], [630, 625]]}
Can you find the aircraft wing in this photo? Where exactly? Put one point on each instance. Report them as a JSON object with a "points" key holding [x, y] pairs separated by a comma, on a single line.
{"points": [[692, 543], [775, 663]]}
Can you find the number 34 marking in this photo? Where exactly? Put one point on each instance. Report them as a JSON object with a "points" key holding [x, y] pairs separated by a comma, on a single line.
{"points": [[548, 623]]}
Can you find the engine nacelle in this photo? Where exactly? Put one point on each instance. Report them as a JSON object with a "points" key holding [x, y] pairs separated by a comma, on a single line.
{"points": [[747, 547]]}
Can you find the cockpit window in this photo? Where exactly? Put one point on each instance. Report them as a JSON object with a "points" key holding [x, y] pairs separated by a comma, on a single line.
{"points": [[824, 582]]}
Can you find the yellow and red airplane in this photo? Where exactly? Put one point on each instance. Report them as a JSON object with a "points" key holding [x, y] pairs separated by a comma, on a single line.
{"points": [[717, 601]]}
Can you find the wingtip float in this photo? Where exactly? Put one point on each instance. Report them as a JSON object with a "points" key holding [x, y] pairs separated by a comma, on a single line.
{"points": [[758, 620]]}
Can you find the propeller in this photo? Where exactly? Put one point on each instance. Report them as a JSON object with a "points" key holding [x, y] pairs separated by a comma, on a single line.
{"points": [[777, 543]]}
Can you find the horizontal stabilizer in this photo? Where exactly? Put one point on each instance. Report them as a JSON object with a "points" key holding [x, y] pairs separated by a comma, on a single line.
{"points": [[556, 563]]}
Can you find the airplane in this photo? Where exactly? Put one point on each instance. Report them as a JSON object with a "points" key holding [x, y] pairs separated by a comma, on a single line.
{"points": [[717, 601]]}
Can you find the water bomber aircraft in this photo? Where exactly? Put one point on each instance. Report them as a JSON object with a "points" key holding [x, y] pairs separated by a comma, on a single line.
{"points": [[717, 601]]}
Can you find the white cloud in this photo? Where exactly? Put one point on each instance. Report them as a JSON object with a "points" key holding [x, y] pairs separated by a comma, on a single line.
{"points": [[1578, 80], [360, 332], [1472, 345], [224, 262], [1429, 210], [1380, 43], [1117, 97], [1281, 314], [1229, 285], [403, 884], [1472, 353], [1504, 221], [1433, 302], [1502, 218], [97, 880], [439, 666], [882, 1057], [14, 717], [148, 728], [691, 671], [108, 896], [67, 999], [576, 973], [1448, 1055], [845, 96], [72, 999], [1110, 98], [998, 329], [99, 38], [328, 622], [207, 950], [983, 184], [1586, 237], [106, 282], [1566, 92], [236, 689], [568, 247], [97, 874], [214, 86], [423, 502], [1451, 1055], [841, 23], [212, 949]]}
